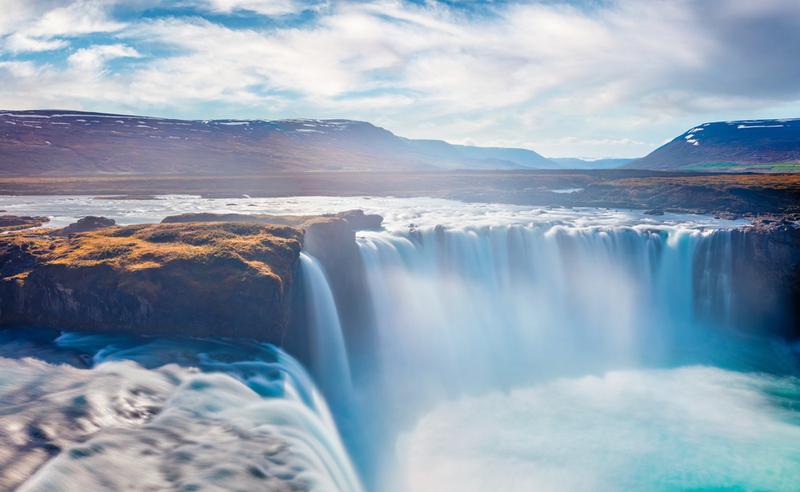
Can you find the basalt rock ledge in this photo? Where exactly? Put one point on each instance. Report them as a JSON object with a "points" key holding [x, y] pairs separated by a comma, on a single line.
{"points": [[223, 276]]}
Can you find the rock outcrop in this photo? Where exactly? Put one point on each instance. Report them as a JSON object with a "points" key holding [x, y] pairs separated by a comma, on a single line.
{"points": [[85, 224], [331, 239], [16, 222], [351, 220], [221, 279], [228, 275]]}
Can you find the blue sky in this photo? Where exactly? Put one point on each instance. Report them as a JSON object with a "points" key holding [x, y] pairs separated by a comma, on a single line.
{"points": [[587, 78]]}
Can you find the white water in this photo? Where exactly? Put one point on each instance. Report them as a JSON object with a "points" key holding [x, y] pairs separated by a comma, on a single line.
{"points": [[162, 414], [691, 428], [398, 213], [490, 306], [328, 351], [464, 312], [528, 348]]}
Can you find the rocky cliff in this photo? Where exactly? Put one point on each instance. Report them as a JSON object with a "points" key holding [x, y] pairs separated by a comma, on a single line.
{"points": [[222, 279], [331, 239], [766, 272], [749, 278], [195, 274]]}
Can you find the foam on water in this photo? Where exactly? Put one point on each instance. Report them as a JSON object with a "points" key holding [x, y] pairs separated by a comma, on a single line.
{"points": [[692, 428], [92, 412]]}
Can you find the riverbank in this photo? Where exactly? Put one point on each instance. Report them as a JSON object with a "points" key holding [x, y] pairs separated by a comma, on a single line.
{"points": [[738, 194]]}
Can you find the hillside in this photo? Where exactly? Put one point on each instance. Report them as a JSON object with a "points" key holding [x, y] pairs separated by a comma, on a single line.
{"points": [[748, 145], [50, 142]]}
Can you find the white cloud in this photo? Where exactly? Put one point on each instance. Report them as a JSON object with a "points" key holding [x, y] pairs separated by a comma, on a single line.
{"points": [[81, 17], [20, 42], [94, 57], [41, 26], [20, 69], [520, 73], [265, 7]]}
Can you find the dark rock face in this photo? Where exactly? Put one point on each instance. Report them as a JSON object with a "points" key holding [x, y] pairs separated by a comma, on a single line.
{"points": [[230, 280], [331, 239], [86, 224], [765, 278], [360, 221]]}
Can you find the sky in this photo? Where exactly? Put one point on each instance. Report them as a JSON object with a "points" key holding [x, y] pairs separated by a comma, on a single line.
{"points": [[580, 78]]}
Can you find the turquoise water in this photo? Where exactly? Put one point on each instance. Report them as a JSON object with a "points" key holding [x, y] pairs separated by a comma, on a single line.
{"points": [[689, 428], [93, 412]]}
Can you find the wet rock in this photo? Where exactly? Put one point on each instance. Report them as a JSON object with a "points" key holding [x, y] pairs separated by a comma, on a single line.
{"points": [[360, 221], [766, 276]]}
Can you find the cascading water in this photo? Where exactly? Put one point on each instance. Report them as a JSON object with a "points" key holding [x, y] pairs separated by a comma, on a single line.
{"points": [[470, 311], [326, 340], [94, 412], [487, 307], [508, 348]]}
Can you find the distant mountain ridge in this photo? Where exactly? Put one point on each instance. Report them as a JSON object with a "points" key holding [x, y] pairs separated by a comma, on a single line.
{"points": [[56, 142], [746, 145]]}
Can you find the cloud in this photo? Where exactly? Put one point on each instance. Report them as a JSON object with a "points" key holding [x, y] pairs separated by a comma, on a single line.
{"points": [[41, 26], [517, 72], [21, 42], [265, 7], [94, 57]]}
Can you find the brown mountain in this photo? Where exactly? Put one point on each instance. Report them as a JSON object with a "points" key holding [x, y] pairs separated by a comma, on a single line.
{"points": [[51, 142]]}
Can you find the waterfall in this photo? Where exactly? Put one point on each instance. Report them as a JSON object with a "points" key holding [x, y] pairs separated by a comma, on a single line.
{"points": [[460, 312], [328, 351], [465, 309], [212, 412]]}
